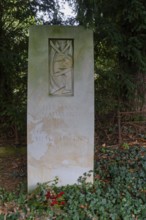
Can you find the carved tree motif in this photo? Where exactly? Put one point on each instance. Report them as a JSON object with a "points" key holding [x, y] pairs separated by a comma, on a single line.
{"points": [[61, 67]]}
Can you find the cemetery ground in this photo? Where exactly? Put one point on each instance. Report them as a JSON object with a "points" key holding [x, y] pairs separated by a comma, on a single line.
{"points": [[118, 192]]}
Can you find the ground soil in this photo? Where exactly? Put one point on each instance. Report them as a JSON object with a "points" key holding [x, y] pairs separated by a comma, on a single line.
{"points": [[12, 170]]}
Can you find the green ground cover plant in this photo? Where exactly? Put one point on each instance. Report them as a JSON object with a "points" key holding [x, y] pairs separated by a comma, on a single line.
{"points": [[118, 192]]}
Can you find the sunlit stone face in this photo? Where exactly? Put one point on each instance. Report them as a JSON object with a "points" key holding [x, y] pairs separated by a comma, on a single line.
{"points": [[60, 116]]}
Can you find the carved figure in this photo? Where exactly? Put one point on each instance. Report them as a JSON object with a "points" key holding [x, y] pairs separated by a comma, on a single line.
{"points": [[61, 67]]}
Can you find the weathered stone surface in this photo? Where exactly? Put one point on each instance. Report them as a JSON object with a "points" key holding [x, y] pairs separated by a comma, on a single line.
{"points": [[60, 127]]}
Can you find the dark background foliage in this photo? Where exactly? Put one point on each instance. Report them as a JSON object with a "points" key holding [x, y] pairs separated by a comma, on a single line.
{"points": [[120, 52]]}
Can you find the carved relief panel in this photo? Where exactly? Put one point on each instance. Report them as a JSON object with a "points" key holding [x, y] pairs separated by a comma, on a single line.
{"points": [[61, 67]]}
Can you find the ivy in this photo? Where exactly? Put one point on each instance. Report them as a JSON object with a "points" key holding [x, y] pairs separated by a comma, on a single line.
{"points": [[118, 192]]}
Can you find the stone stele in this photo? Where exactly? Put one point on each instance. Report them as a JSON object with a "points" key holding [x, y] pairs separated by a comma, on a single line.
{"points": [[60, 116]]}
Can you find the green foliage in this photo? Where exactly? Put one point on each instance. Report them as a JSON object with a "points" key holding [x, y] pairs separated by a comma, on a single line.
{"points": [[118, 192], [16, 16], [120, 51]]}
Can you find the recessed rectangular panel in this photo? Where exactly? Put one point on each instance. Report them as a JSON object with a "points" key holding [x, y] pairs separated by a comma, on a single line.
{"points": [[61, 67]]}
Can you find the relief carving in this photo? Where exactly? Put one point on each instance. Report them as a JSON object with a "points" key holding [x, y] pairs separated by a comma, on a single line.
{"points": [[61, 67]]}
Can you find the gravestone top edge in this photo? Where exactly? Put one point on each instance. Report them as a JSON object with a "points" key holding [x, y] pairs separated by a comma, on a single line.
{"points": [[59, 27]]}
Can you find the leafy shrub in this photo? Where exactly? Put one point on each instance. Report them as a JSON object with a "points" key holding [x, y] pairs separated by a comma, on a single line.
{"points": [[118, 192]]}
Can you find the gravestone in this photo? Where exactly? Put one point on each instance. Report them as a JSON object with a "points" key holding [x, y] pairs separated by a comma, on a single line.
{"points": [[60, 116]]}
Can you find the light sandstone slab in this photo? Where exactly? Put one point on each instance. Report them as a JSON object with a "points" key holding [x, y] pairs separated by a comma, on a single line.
{"points": [[60, 116]]}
